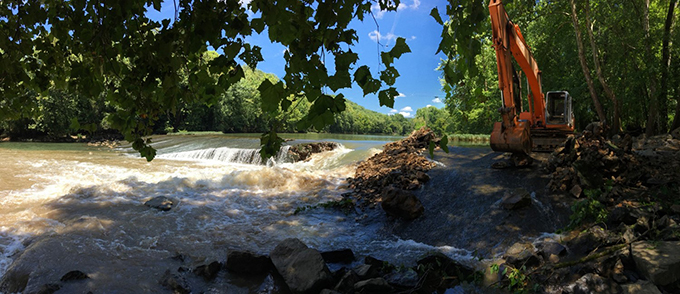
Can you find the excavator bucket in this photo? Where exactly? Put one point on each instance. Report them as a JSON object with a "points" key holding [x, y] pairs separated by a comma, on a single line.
{"points": [[515, 139]]}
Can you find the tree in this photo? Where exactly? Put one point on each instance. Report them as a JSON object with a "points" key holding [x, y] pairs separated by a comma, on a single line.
{"points": [[95, 47]]}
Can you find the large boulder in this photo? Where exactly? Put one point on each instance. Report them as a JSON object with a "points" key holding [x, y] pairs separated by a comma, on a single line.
{"points": [[401, 203], [516, 199], [659, 262], [161, 203], [302, 268], [641, 287]]}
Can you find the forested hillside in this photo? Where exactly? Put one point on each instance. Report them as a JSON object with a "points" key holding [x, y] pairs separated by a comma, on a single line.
{"points": [[237, 110]]}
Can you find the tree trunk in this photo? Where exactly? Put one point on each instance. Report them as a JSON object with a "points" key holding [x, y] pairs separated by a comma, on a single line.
{"points": [[652, 127], [616, 123], [584, 66], [665, 64]]}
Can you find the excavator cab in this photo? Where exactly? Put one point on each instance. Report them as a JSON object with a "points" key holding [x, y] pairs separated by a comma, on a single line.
{"points": [[558, 108]]}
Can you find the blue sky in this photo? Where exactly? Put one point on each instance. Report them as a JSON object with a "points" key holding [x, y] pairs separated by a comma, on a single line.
{"points": [[419, 84]]}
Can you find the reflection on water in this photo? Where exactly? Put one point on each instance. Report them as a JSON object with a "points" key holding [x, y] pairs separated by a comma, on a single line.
{"points": [[72, 206]]}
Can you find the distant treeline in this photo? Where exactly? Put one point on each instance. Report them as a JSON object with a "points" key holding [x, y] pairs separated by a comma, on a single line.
{"points": [[238, 110]]}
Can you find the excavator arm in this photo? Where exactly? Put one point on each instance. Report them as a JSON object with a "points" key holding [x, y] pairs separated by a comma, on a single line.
{"points": [[518, 130]]}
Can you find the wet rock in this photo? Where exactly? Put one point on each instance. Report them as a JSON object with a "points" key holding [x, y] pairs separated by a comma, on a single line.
{"points": [[375, 285], [176, 283], [576, 191], [659, 262], [338, 256], [303, 152], [74, 276], [516, 199], [14, 281], [401, 203], [161, 203], [244, 262], [302, 268], [208, 271], [521, 254], [48, 289], [439, 262], [641, 287]]}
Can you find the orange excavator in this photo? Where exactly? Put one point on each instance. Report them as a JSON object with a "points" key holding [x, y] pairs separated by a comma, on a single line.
{"points": [[549, 118]]}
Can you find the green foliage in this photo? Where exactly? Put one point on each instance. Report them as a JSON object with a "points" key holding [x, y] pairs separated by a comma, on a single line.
{"points": [[517, 281], [588, 210]]}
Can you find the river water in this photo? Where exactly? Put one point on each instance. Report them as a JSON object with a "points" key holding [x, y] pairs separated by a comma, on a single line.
{"points": [[67, 207]]}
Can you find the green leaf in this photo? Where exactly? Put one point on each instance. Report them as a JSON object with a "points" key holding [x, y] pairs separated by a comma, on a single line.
{"points": [[399, 48], [430, 149], [367, 83], [435, 14], [271, 95], [257, 24], [444, 143], [386, 97]]}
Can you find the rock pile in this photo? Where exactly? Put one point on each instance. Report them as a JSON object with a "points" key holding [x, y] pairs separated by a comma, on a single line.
{"points": [[304, 151], [401, 166]]}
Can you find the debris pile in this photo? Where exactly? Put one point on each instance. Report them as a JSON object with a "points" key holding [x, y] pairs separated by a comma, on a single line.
{"points": [[400, 164], [304, 151], [590, 161]]}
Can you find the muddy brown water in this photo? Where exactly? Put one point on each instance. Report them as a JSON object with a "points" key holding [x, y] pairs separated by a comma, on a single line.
{"points": [[67, 207]]}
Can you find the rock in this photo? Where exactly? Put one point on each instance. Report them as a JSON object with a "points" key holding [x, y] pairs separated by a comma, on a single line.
{"points": [[176, 283], [516, 199], [521, 160], [329, 291], [641, 287], [375, 285], [346, 282], [302, 268], [551, 248], [403, 279], [400, 203], [303, 152], [676, 134], [244, 262], [440, 262], [576, 191], [593, 283], [208, 271], [14, 281], [74, 276], [161, 203], [366, 271], [659, 262], [521, 254], [48, 289], [338, 256]]}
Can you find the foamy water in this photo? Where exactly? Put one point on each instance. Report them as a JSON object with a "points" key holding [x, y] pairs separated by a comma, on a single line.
{"points": [[85, 210]]}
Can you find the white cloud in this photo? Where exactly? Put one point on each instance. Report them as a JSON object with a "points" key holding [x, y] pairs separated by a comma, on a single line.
{"points": [[405, 114], [428, 105], [407, 109], [375, 8], [378, 37], [437, 100], [394, 111], [401, 95]]}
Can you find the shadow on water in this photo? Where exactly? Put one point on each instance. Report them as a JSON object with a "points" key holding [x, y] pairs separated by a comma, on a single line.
{"points": [[462, 204]]}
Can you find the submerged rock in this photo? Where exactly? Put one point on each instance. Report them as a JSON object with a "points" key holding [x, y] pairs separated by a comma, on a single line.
{"points": [[400, 203], [302, 268], [161, 203], [516, 199]]}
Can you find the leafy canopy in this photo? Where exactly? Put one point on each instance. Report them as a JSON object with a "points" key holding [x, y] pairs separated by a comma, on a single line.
{"points": [[146, 68]]}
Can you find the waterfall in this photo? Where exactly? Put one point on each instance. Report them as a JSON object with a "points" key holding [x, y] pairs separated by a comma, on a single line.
{"points": [[231, 155]]}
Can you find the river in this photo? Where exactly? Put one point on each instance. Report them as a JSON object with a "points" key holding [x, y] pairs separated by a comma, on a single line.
{"points": [[71, 207]]}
